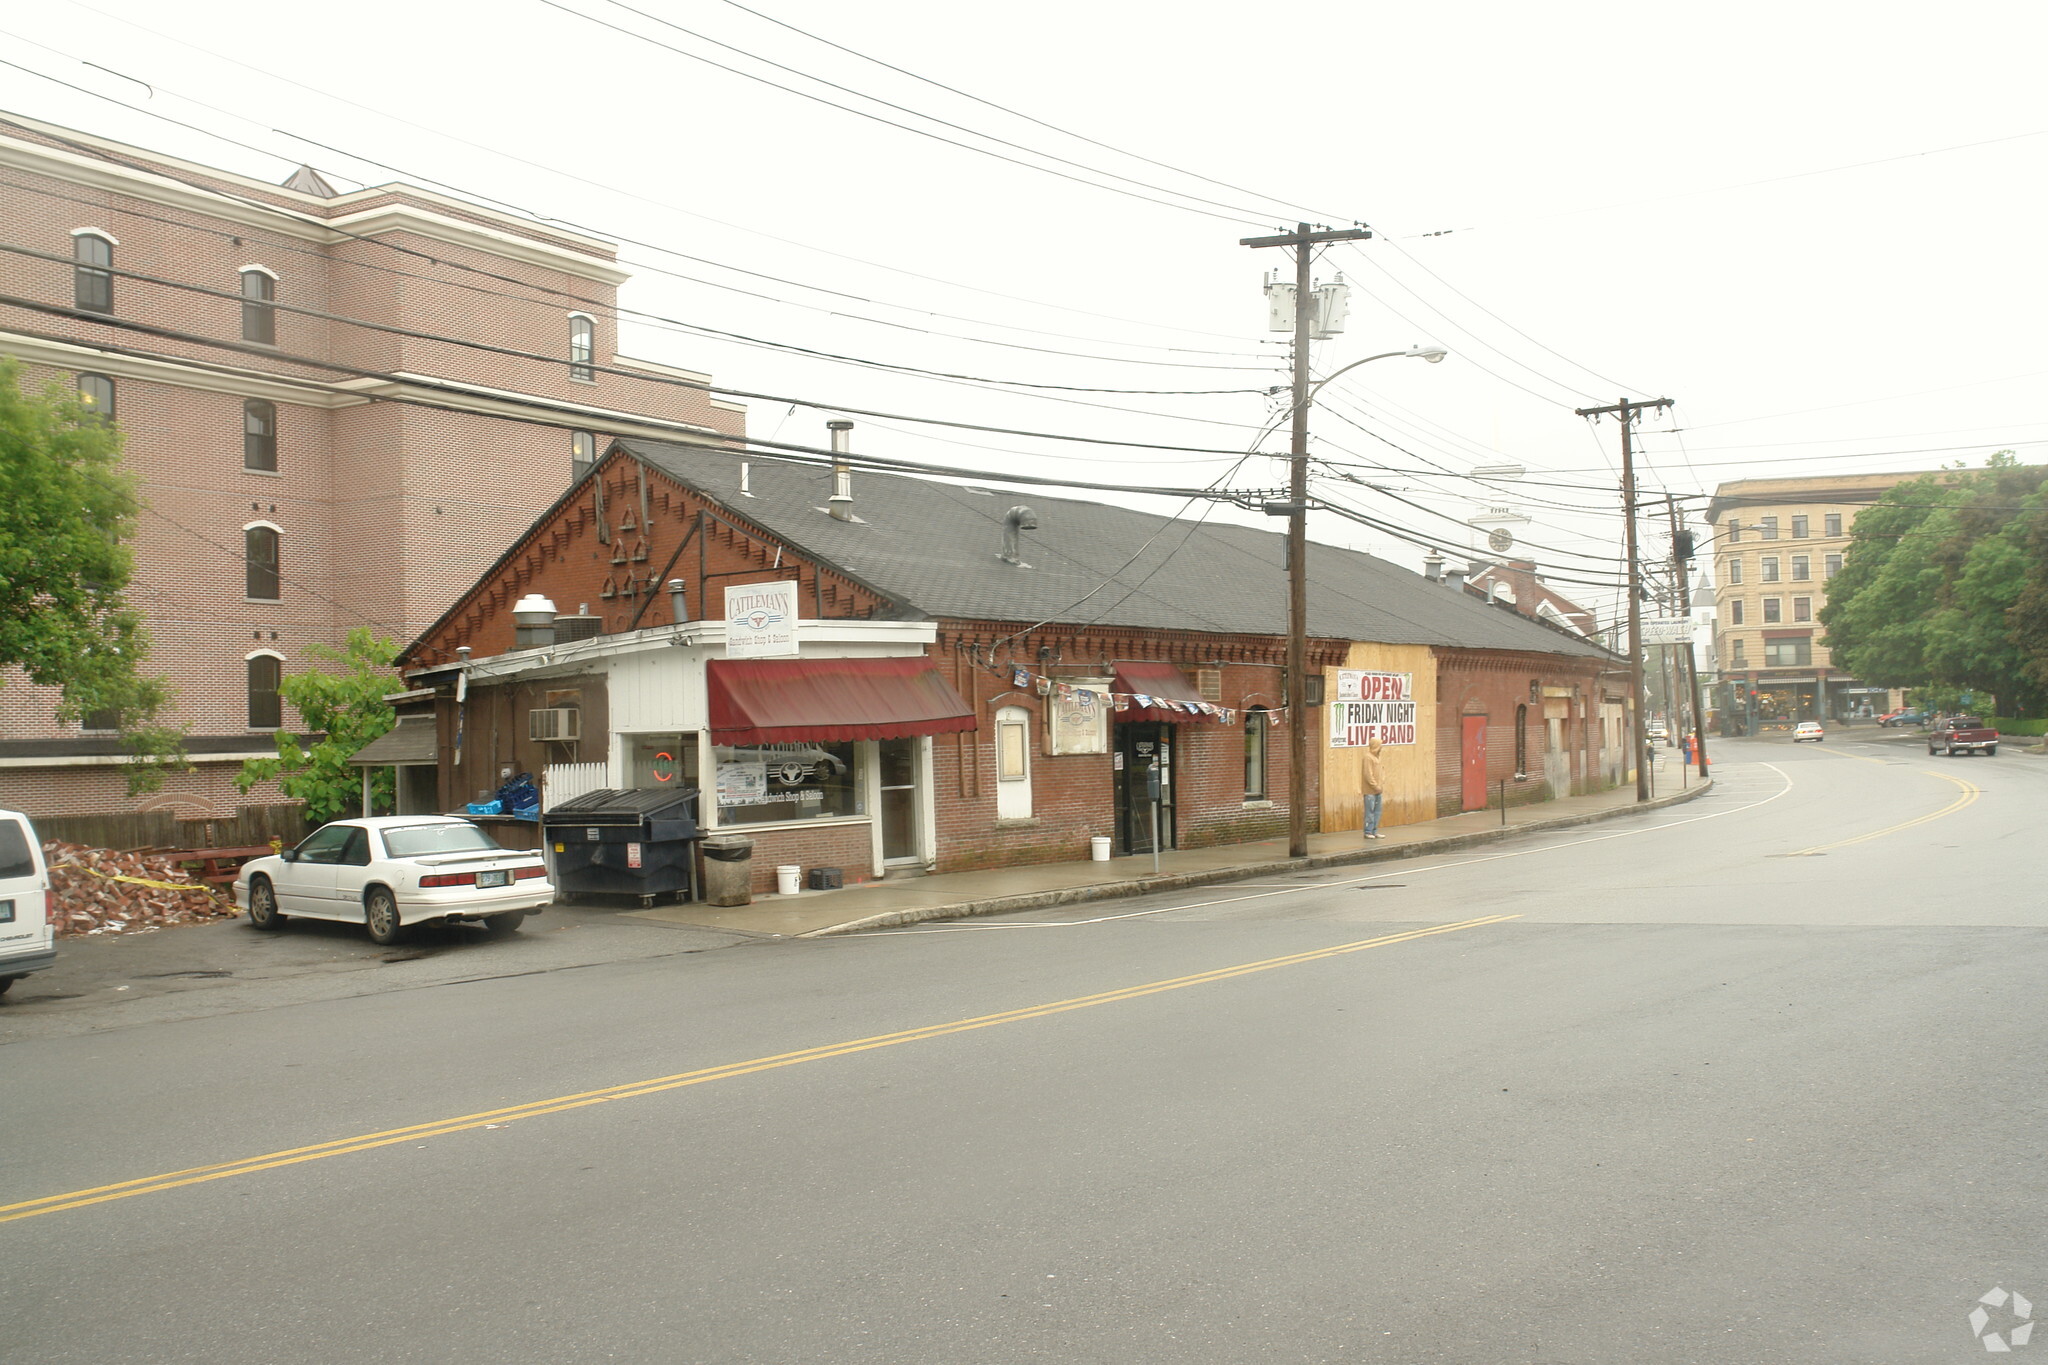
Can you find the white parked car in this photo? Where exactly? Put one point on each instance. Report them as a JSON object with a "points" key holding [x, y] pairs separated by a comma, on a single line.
{"points": [[27, 942], [394, 871]]}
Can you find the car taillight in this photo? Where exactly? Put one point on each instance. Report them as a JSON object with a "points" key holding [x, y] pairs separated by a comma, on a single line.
{"points": [[526, 872], [449, 879]]}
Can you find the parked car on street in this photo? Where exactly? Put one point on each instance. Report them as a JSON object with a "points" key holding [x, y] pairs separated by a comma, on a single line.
{"points": [[1907, 716], [391, 872], [1808, 729], [27, 941], [1954, 735]]}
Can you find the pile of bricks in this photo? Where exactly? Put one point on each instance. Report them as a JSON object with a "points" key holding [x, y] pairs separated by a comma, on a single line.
{"points": [[101, 891]]}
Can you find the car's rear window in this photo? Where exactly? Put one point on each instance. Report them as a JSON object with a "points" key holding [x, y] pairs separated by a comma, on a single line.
{"points": [[17, 859], [419, 841]]}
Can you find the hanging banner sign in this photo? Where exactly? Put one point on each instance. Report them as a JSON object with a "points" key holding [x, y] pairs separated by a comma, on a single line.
{"points": [[1372, 706], [760, 620], [1077, 717]]}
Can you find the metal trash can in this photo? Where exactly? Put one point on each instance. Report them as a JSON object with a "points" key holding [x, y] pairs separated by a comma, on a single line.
{"points": [[729, 870], [625, 843]]}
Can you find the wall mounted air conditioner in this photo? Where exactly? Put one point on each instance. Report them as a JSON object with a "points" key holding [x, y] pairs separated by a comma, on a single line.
{"points": [[561, 723]]}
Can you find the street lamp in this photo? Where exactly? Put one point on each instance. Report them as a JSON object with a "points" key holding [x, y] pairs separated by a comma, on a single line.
{"points": [[1296, 508]]}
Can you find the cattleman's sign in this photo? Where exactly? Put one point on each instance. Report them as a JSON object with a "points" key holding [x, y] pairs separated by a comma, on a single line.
{"points": [[1372, 705]]}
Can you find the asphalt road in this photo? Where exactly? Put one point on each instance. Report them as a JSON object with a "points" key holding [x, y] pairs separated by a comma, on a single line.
{"points": [[1753, 1079]]}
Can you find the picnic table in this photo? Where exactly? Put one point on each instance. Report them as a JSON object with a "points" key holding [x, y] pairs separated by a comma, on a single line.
{"points": [[218, 866]]}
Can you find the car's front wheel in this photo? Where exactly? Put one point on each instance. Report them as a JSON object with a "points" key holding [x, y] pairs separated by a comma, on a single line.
{"points": [[380, 916], [263, 905]]}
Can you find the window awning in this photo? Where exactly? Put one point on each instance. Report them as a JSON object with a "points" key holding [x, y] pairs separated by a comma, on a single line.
{"points": [[769, 701], [410, 742], [1160, 682]]}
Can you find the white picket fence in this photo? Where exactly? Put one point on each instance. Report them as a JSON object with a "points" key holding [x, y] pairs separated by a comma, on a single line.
{"points": [[561, 782]]}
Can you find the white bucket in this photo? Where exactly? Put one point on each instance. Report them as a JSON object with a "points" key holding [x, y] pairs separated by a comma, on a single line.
{"points": [[786, 879], [1098, 849]]}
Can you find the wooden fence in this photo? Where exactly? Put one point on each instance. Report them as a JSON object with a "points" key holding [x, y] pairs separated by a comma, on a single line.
{"points": [[249, 826]]}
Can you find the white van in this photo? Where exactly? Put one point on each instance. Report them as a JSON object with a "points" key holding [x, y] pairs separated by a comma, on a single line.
{"points": [[27, 943]]}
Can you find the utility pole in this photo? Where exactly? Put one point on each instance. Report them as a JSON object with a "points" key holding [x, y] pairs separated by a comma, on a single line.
{"points": [[1692, 663], [1626, 412], [1304, 241]]}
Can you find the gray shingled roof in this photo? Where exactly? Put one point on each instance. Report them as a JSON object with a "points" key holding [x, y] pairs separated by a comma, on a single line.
{"points": [[935, 548]]}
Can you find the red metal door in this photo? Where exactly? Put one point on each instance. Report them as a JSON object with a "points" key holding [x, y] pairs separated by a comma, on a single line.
{"points": [[1472, 763]]}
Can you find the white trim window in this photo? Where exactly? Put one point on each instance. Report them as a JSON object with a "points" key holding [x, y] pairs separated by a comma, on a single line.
{"points": [[259, 305], [263, 579], [259, 435], [265, 671], [1013, 763], [92, 278], [582, 348]]}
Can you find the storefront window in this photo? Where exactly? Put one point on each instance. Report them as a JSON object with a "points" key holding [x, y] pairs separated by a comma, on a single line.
{"points": [[762, 784], [659, 761]]}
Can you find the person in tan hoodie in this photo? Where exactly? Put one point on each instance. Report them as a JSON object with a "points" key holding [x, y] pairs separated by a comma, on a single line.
{"points": [[1372, 778]]}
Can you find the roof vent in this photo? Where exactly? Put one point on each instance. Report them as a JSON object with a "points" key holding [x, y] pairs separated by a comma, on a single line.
{"points": [[1433, 567], [1016, 520]]}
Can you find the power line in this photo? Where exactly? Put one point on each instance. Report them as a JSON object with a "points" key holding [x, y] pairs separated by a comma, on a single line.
{"points": [[877, 118], [675, 208], [1018, 113]]}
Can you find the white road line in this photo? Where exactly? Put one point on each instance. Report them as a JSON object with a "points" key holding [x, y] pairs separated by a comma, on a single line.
{"points": [[1351, 881]]}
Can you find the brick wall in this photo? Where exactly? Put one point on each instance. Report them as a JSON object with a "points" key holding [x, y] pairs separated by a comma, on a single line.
{"points": [[387, 512], [1492, 684]]}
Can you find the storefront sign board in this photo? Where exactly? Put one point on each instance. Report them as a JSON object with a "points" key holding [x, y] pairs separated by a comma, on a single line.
{"points": [[760, 620], [1372, 705]]}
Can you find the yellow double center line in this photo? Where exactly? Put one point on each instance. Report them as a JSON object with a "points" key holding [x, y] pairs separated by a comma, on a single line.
{"points": [[128, 1189], [1969, 797]]}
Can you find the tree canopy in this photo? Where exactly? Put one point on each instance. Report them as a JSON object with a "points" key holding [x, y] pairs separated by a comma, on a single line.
{"points": [[343, 710], [1945, 586], [65, 565]]}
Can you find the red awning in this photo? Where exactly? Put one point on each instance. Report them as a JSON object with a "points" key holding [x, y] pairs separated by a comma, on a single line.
{"points": [[768, 701], [1161, 682]]}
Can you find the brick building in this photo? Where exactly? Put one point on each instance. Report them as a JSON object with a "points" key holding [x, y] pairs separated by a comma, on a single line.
{"points": [[1777, 543], [320, 442], [976, 680]]}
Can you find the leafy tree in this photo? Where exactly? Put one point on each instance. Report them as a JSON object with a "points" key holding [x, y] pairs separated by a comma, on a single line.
{"points": [[65, 564], [342, 710], [1934, 573]]}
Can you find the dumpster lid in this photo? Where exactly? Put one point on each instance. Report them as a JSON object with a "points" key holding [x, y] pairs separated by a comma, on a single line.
{"points": [[639, 804]]}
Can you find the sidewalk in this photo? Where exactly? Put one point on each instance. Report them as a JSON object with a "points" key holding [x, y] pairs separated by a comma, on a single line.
{"points": [[953, 895]]}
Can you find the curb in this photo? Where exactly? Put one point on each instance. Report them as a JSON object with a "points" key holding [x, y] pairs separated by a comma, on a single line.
{"points": [[1175, 881]]}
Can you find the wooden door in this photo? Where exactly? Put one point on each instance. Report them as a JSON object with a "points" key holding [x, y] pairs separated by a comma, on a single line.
{"points": [[1472, 763]]}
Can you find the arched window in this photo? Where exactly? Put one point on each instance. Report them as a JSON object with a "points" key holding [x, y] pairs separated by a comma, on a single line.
{"points": [[1255, 728], [582, 454], [96, 392], [1521, 741], [260, 556], [1013, 763], [92, 279], [259, 312], [266, 707], [259, 434], [582, 348]]}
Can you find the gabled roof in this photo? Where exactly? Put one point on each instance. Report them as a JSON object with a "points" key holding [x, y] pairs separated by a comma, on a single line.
{"points": [[936, 548]]}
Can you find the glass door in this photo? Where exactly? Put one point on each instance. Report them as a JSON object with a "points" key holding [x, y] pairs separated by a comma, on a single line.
{"points": [[898, 762]]}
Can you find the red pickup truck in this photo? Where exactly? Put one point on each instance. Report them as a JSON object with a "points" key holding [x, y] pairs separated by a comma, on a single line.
{"points": [[1962, 735]]}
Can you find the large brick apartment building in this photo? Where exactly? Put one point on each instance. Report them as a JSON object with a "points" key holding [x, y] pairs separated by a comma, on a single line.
{"points": [[304, 472]]}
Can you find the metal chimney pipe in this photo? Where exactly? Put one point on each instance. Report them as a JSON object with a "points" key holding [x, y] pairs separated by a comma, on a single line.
{"points": [[1017, 519], [840, 505], [678, 602]]}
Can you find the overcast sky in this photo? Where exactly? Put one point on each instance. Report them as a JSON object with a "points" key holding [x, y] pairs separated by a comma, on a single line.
{"points": [[1817, 227]]}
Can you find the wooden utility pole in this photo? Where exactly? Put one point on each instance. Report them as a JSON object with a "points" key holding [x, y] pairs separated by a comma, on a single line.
{"points": [[1692, 665], [1626, 412], [1304, 241]]}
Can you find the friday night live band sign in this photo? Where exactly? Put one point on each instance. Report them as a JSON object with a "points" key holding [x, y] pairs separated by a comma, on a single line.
{"points": [[1372, 705]]}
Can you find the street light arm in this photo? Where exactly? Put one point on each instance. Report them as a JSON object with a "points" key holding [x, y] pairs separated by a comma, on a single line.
{"points": [[1430, 353]]}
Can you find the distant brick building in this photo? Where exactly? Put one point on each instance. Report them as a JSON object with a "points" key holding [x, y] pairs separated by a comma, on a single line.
{"points": [[308, 476]]}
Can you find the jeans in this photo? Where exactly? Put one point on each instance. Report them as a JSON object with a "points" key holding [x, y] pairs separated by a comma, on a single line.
{"points": [[1372, 813]]}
